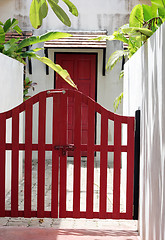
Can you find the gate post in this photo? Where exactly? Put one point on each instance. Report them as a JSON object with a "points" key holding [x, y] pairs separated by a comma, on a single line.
{"points": [[136, 164]]}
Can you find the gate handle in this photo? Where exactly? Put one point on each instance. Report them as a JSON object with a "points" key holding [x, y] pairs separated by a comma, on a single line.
{"points": [[64, 148]]}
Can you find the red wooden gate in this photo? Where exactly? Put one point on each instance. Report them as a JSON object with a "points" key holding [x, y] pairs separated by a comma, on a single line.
{"points": [[59, 148]]}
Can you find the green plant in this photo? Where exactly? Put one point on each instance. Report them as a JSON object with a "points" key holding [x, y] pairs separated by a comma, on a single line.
{"points": [[17, 50], [39, 10], [143, 22], [27, 85]]}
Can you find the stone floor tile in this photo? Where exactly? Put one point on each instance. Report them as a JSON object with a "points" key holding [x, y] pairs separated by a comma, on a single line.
{"points": [[3, 221], [46, 222], [18, 223]]}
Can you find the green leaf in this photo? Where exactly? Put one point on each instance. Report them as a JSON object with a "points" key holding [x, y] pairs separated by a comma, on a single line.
{"points": [[136, 17], [10, 47], [35, 16], [116, 57], [27, 80], [149, 12], [17, 29], [121, 74], [10, 24], [1, 47], [161, 12], [30, 52], [60, 13], [2, 35], [35, 50], [120, 36], [57, 68], [144, 31], [43, 9], [72, 7], [100, 38], [117, 101], [56, 1], [117, 35], [132, 30], [158, 3], [7, 24], [53, 35], [45, 37]]}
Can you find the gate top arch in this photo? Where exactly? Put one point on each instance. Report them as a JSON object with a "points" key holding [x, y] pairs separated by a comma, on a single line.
{"points": [[59, 142], [68, 92]]}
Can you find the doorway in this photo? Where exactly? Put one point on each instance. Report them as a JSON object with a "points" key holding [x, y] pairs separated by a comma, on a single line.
{"points": [[82, 68]]}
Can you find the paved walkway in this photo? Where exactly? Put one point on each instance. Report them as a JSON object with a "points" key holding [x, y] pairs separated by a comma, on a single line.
{"points": [[67, 229], [52, 234]]}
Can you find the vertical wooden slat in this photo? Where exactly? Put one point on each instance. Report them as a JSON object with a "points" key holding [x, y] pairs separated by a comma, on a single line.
{"points": [[130, 168], [2, 163], [90, 159], [28, 158], [41, 155], [77, 156], [15, 162], [63, 162], [55, 155], [117, 166], [103, 165]]}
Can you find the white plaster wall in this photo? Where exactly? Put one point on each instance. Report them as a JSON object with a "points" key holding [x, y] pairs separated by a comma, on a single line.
{"points": [[144, 88], [11, 95]]}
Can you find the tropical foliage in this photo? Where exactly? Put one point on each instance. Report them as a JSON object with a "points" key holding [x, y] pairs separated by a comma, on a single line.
{"points": [[17, 49], [39, 10], [27, 85], [143, 22]]}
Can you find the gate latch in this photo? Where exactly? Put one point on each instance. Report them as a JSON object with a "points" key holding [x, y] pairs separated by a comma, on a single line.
{"points": [[64, 148]]}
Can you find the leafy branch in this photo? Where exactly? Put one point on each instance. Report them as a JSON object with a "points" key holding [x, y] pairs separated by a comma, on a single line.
{"points": [[39, 11]]}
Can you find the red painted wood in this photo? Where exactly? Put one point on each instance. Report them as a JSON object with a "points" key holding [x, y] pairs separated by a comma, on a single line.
{"points": [[82, 68], [77, 156], [130, 167], [15, 163], [69, 214], [55, 155], [63, 160], [49, 147], [2, 162], [90, 159], [41, 155], [60, 109], [28, 158], [103, 164], [117, 167]]}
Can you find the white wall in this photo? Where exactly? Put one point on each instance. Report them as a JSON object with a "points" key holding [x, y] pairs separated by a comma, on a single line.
{"points": [[144, 88], [11, 95]]}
